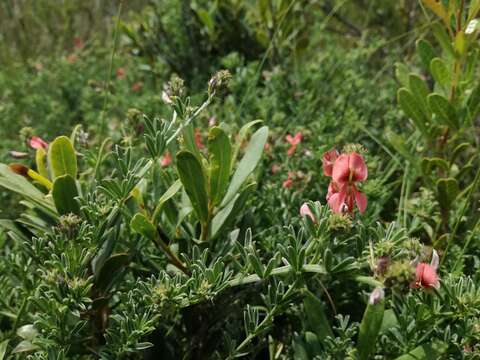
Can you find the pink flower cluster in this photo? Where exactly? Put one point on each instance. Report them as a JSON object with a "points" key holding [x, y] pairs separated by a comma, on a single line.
{"points": [[346, 171]]}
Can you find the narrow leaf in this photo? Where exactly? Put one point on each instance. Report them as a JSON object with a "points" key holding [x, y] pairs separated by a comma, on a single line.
{"points": [[445, 112], [220, 154], [252, 156]]}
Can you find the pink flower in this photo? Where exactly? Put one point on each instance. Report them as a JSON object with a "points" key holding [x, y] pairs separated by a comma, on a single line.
{"points": [[198, 139], [275, 168], [289, 182], [78, 42], [212, 121], [72, 58], [305, 211], [120, 73], [137, 86], [328, 160], [426, 277], [166, 159], [348, 170], [293, 141], [37, 143], [426, 274]]}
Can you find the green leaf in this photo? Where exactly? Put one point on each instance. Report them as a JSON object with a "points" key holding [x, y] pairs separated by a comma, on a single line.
{"points": [[447, 190], [419, 89], [111, 270], [443, 39], [252, 156], [445, 112], [3, 348], [143, 226], [389, 320], [369, 329], [315, 316], [220, 154], [440, 72], [24, 346], [27, 332], [171, 191], [431, 351], [228, 213], [62, 157], [401, 73], [428, 164], [413, 110], [437, 7], [193, 179], [64, 192], [21, 186], [426, 52], [242, 134], [41, 162], [473, 103]]}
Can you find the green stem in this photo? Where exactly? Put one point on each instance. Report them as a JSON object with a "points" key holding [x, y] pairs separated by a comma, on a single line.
{"points": [[109, 75]]}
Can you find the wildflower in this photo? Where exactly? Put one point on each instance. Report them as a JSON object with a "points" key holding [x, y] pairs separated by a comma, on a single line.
{"points": [[376, 296], [72, 58], [347, 171], [78, 42], [36, 143], [275, 168], [426, 274], [328, 160], [198, 139], [212, 121], [293, 141], [305, 211], [120, 73], [166, 159], [137, 86], [289, 182]]}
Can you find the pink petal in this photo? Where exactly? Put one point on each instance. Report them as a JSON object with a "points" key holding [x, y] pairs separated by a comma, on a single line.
{"points": [[305, 211], [361, 201], [166, 159], [357, 166], [341, 169], [337, 202], [37, 143], [328, 160]]}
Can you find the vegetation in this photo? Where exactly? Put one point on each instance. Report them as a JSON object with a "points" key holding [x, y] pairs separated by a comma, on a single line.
{"points": [[229, 179]]}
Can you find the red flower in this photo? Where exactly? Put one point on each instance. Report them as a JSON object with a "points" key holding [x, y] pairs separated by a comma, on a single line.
{"points": [[198, 139], [166, 159], [289, 182], [72, 58], [328, 160], [78, 42], [426, 274], [137, 86], [37, 143], [120, 73], [348, 170], [426, 277], [293, 141], [305, 211]]}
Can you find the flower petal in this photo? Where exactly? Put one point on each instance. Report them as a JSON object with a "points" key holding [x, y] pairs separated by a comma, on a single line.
{"points": [[341, 169], [361, 201], [357, 167], [337, 202]]}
